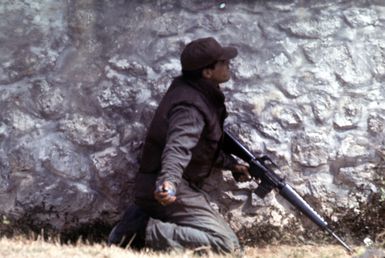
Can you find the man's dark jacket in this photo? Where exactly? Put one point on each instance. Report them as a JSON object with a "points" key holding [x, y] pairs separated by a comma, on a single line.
{"points": [[205, 97]]}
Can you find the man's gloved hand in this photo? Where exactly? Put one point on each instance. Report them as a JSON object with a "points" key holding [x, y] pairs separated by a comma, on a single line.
{"points": [[165, 193], [241, 173]]}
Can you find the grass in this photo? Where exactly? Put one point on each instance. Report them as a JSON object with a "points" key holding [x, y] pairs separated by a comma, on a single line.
{"points": [[21, 247]]}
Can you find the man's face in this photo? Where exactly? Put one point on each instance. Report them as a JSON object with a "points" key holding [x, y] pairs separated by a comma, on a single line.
{"points": [[221, 72]]}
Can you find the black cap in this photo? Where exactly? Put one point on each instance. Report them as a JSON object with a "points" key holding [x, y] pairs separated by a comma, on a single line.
{"points": [[204, 51]]}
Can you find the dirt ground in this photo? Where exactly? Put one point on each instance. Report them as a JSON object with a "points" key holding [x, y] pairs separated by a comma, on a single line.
{"points": [[37, 248]]}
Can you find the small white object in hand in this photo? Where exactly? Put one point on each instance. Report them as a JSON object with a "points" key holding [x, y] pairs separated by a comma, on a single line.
{"points": [[368, 242]]}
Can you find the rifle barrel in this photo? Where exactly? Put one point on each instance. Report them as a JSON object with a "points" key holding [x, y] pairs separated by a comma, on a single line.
{"points": [[297, 201], [350, 250]]}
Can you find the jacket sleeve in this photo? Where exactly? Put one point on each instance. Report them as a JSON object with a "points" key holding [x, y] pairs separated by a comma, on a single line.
{"points": [[186, 124]]}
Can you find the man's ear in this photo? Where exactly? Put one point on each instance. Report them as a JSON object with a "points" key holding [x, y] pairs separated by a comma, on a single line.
{"points": [[207, 73]]}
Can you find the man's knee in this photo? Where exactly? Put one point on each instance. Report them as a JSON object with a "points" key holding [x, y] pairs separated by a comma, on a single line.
{"points": [[224, 242]]}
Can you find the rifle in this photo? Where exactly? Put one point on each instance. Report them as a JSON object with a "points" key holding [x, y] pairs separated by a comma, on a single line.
{"points": [[269, 181]]}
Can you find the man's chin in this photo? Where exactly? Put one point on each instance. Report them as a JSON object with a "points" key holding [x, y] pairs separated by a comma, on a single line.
{"points": [[226, 80], [227, 85]]}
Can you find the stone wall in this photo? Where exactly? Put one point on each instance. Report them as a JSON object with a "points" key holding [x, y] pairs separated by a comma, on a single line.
{"points": [[80, 80]]}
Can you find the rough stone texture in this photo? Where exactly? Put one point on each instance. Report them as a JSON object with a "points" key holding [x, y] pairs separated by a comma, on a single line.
{"points": [[80, 80]]}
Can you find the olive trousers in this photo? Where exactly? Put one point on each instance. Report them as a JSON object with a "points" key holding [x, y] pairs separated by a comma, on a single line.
{"points": [[190, 222]]}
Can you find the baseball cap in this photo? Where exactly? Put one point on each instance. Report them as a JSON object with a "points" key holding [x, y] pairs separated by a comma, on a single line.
{"points": [[204, 51]]}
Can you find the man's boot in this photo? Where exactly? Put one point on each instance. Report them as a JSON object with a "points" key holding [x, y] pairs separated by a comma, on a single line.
{"points": [[131, 229]]}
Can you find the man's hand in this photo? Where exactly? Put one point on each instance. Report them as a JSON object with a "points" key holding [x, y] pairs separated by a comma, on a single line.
{"points": [[241, 173], [165, 193]]}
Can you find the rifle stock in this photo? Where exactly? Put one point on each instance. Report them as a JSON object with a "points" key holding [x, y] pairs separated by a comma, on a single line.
{"points": [[269, 181]]}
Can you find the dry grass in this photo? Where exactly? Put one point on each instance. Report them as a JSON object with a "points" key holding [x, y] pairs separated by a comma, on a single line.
{"points": [[24, 248]]}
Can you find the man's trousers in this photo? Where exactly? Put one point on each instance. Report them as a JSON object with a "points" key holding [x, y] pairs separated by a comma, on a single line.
{"points": [[189, 222]]}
